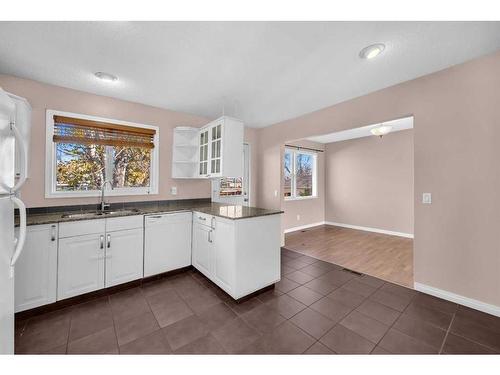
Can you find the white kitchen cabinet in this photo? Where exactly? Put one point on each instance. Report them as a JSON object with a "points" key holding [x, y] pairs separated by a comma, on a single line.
{"points": [[81, 265], [203, 248], [224, 255], [185, 152], [95, 254], [167, 242], [124, 256], [36, 268], [217, 151], [240, 256]]}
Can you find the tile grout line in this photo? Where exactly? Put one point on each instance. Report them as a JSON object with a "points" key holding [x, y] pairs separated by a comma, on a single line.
{"points": [[448, 331], [393, 323], [114, 325]]}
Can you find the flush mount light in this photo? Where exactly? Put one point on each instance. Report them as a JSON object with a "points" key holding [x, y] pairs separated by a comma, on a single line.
{"points": [[106, 76], [372, 51], [381, 130]]}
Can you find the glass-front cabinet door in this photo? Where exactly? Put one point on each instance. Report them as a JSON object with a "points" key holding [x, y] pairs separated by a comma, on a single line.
{"points": [[203, 171], [215, 149]]}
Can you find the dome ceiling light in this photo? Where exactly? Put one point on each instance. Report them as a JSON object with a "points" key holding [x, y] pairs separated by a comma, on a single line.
{"points": [[106, 77], [381, 130], [372, 51]]}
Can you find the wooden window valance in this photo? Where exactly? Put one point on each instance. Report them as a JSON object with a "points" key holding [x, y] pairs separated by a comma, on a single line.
{"points": [[76, 130]]}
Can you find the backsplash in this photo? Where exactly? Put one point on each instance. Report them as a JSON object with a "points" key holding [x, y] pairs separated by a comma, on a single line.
{"points": [[114, 206]]}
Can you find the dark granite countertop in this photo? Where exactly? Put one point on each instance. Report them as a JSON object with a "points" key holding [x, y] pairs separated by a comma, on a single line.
{"points": [[233, 212]]}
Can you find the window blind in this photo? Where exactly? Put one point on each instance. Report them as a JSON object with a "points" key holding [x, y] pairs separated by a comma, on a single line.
{"points": [[76, 130]]}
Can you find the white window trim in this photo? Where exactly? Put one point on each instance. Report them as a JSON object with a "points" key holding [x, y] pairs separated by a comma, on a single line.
{"points": [[294, 197], [50, 161]]}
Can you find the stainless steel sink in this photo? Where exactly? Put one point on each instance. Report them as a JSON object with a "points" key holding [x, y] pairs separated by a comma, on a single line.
{"points": [[90, 215]]}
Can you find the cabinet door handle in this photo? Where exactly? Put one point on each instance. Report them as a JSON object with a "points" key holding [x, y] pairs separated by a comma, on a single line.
{"points": [[109, 241], [101, 240], [210, 236], [53, 233]]}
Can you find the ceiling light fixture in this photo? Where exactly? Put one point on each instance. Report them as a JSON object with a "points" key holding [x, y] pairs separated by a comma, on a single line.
{"points": [[372, 51], [381, 130], [106, 76]]}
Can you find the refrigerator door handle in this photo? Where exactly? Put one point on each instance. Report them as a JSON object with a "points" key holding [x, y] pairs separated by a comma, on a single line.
{"points": [[22, 229], [24, 161]]}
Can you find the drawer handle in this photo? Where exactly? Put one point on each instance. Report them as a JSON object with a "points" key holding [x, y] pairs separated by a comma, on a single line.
{"points": [[212, 222], [154, 217], [101, 240], [202, 218], [53, 233], [109, 241]]}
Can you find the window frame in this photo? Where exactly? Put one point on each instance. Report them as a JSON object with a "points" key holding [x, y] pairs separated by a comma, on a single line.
{"points": [[293, 184], [51, 168]]}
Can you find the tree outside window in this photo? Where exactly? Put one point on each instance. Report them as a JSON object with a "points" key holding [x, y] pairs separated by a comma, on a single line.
{"points": [[299, 174]]}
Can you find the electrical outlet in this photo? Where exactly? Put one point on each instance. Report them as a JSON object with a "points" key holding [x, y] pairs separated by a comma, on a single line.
{"points": [[298, 217], [276, 193], [426, 198], [173, 190]]}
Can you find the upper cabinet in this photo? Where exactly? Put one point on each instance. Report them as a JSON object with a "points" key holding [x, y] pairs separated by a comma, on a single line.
{"points": [[215, 150]]}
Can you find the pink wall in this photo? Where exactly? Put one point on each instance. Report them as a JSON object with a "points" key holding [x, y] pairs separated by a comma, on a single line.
{"points": [[310, 210], [43, 96], [456, 153], [369, 182]]}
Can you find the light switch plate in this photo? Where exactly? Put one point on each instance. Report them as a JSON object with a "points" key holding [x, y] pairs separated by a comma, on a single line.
{"points": [[426, 198], [173, 190], [276, 193]]}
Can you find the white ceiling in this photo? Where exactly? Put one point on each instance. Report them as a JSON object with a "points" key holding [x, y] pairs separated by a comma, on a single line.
{"points": [[264, 72], [364, 131]]}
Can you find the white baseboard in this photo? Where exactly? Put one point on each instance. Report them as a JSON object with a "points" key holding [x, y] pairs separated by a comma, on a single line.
{"points": [[369, 229], [301, 227], [469, 302]]}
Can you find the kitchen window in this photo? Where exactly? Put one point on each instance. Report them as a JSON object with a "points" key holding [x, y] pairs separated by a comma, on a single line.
{"points": [[85, 151], [299, 174]]}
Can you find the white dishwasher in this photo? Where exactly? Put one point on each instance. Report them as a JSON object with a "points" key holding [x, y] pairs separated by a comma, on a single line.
{"points": [[167, 242]]}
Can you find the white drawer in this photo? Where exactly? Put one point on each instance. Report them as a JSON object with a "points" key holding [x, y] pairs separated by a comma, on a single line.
{"points": [[168, 218], [81, 227], [125, 222], [204, 219]]}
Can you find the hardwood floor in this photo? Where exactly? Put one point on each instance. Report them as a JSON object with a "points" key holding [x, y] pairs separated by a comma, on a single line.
{"points": [[387, 257]]}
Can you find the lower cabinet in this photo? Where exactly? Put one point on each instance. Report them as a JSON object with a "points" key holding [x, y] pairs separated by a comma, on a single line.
{"points": [[224, 255], [36, 268], [213, 250], [240, 256], [203, 249], [124, 256], [105, 253], [81, 265]]}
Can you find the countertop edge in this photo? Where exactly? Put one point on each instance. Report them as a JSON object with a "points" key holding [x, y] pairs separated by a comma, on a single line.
{"points": [[211, 209]]}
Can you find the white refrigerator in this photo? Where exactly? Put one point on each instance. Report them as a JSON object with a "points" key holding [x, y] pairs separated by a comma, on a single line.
{"points": [[15, 122]]}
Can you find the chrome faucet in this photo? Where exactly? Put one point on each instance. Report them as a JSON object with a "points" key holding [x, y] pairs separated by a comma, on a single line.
{"points": [[105, 206]]}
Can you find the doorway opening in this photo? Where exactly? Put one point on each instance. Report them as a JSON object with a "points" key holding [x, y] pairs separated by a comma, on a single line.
{"points": [[361, 214]]}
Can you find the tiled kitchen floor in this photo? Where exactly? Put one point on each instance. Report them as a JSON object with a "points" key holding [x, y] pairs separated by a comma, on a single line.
{"points": [[317, 308]]}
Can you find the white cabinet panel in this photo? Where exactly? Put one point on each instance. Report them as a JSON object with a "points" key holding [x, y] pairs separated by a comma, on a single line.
{"points": [[36, 268], [81, 227], [224, 262], [124, 256], [167, 242], [124, 223], [203, 249], [81, 265], [215, 150]]}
